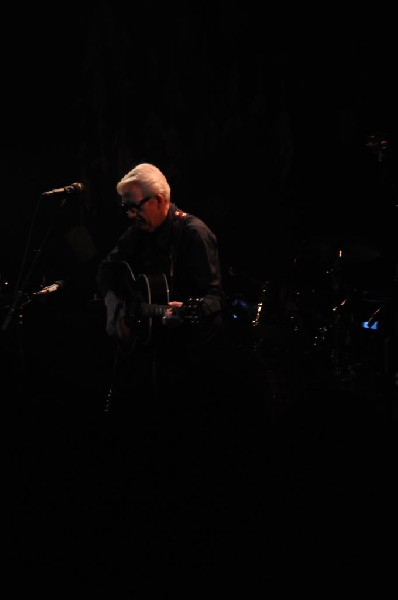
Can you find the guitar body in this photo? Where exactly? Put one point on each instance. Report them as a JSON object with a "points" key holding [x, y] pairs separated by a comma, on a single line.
{"points": [[145, 297], [145, 310], [145, 307]]}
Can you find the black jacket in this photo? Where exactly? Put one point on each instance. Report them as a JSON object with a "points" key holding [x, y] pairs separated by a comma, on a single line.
{"points": [[185, 250]]}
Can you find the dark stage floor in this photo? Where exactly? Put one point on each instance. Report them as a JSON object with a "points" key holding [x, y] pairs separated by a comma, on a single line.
{"points": [[293, 477]]}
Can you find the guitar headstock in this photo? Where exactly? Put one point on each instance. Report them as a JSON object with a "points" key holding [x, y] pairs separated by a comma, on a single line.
{"points": [[191, 310]]}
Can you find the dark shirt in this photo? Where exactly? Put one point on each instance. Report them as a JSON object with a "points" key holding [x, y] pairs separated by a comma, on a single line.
{"points": [[185, 250]]}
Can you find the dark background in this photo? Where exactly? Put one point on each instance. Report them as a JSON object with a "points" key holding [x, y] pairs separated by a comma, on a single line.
{"points": [[261, 120], [261, 123]]}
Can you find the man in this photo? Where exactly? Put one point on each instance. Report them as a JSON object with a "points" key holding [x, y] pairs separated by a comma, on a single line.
{"points": [[163, 293], [188, 434]]}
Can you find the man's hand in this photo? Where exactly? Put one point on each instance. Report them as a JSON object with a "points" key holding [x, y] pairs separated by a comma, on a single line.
{"points": [[175, 304]]}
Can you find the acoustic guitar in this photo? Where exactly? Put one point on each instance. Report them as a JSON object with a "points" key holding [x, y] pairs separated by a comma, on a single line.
{"points": [[145, 307]]}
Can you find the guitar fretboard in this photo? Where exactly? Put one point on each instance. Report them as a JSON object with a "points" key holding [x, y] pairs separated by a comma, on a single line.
{"points": [[150, 310]]}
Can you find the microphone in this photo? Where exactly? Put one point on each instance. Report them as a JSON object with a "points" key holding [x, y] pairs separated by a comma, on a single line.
{"points": [[54, 287], [74, 188]]}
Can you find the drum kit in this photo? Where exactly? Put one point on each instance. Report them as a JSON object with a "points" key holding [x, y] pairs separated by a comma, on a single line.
{"points": [[346, 312], [336, 302], [334, 306]]}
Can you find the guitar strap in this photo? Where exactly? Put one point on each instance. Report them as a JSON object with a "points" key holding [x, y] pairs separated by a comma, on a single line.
{"points": [[178, 226]]}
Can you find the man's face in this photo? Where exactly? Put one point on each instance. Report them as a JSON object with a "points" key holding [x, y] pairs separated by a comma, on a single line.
{"points": [[146, 211]]}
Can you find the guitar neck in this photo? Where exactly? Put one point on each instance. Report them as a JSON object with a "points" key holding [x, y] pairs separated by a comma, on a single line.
{"points": [[189, 311], [152, 310]]}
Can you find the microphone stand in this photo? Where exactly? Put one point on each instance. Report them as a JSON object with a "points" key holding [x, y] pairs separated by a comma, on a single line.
{"points": [[20, 299], [20, 293]]}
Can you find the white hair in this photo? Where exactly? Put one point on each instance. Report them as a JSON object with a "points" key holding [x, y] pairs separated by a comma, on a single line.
{"points": [[149, 178]]}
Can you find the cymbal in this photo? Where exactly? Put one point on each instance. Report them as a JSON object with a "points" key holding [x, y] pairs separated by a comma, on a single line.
{"points": [[358, 252], [352, 251]]}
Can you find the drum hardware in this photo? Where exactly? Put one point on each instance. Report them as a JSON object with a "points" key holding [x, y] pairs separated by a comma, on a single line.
{"points": [[245, 302], [244, 311], [373, 321], [320, 338], [379, 144], [359, 340]]}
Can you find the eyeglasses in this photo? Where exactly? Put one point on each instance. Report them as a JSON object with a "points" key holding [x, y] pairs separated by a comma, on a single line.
{"points": [[134, 205]]}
